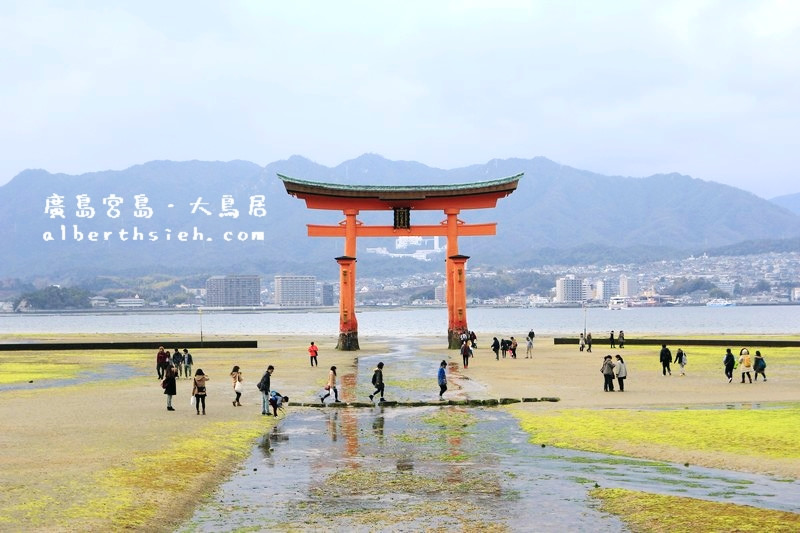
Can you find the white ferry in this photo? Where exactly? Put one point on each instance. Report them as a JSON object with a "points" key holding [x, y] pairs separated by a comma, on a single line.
{"points": [[617, 303]]}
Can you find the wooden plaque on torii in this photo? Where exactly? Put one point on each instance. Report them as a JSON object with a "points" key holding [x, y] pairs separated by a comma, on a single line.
{"points": [[402, 201]]}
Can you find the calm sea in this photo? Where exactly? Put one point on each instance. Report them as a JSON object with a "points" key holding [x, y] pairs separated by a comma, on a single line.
{"points": [[762, 320]]}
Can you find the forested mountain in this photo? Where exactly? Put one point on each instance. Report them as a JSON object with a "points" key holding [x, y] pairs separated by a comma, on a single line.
{"points": [[557, 214]]}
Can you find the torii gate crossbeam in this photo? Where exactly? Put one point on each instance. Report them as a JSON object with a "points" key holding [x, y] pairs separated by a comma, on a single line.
{"points": [[352, 199]]}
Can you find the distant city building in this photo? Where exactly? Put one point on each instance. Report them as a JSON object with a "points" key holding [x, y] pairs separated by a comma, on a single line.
{"points": [[233, 291], [569, 289], [601, 291], [795, 295], [327, 294], [438, 293], [98, 301], [727, 286], [628, 287], [295, 291], [130, 302]]}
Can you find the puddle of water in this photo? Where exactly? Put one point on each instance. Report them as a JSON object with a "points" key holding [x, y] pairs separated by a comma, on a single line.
{"points": [[107, 372], [370, 468]]}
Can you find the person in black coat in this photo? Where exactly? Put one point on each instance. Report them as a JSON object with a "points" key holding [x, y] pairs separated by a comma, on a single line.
{"points": [[730, 362], [170, 389], [666, 358]]}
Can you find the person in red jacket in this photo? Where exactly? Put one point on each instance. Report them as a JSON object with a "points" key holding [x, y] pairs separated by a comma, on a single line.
{"points": [[312, 352], [161, 361]]}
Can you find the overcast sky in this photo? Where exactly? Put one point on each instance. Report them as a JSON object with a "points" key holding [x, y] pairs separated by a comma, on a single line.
{"points": [[705, 88]]}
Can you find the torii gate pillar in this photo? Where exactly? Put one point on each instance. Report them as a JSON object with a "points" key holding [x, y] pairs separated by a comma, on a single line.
{"points": [[456, 299], [348, 325]]}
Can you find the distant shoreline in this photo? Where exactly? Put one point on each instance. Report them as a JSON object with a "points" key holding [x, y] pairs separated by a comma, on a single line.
{"points": [[334, 309]]}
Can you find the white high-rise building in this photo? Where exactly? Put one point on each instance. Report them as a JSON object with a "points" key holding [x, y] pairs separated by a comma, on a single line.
{"points": [[295, 291], [439, 293], [570, 289], [601, 290], [628, 287]]}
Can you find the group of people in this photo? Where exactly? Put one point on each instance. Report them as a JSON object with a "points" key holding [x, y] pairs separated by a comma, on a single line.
{"points": [[181, 363], [585, 342], [608, 369], [170, 368], [377, 374], [747, 364], [170, 386], [665, 356], [620, 339], [508, 347]]}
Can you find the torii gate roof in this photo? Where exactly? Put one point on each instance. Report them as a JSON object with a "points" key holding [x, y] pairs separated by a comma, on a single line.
{"points": [[476, 195]]}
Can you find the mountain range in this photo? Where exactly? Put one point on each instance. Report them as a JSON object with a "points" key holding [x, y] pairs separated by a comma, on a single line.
{"points": [[789, 201], [557, 214]]}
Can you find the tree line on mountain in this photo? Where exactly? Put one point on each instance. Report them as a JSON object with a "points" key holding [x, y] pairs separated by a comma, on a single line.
{"points": [[53, 298]]}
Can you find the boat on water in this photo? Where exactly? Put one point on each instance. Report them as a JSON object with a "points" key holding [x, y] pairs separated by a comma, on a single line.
{"points": [[720, 302], [617, 303]]}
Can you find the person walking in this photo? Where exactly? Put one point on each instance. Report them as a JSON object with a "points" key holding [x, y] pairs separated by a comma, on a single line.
{"points": [[665, 356], [331, 386], [177, 362], [589, 342], [441, 377], [504, 347], [466, 352], [236, 383], [611, 339], [377, 381], [313, 350], [582, 342], [680, 358], [622, 372], [199, 390], [729, 361], [170, 388], [513, 348], [608, 374], [621, 339], [264, 387], [759, 365], [187, 363], [529, 349], [746, 363], [496, 348]]}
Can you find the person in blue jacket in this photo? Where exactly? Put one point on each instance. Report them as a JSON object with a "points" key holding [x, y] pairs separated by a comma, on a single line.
{"points": [[442, 379], [276, 401]]}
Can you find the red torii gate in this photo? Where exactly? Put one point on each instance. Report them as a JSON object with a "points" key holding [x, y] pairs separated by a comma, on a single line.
{"points": [[352, 199]]}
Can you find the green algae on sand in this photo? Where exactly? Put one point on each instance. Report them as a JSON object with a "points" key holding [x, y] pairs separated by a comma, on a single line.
{"points": [[657, 513], [773, 432]]}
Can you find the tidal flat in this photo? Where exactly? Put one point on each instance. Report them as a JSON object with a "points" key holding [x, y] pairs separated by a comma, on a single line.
{"points": [[89, 444]]}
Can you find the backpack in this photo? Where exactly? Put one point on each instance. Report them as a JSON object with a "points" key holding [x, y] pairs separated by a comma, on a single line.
{"points": [[375, 378], [746, 359]]}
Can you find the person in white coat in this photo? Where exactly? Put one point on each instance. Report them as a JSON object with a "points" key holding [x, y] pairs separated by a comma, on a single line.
{"points": [[622, 373]]}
